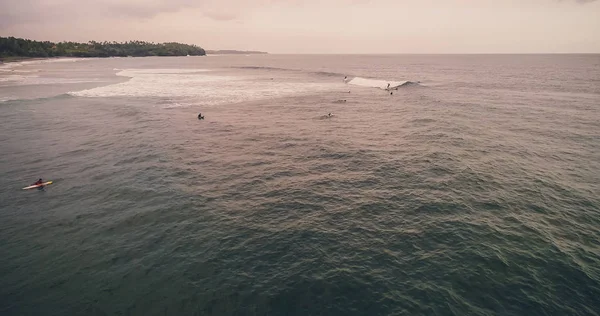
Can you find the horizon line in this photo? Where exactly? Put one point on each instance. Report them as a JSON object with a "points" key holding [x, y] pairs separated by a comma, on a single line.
{"points": [[540, 53]]}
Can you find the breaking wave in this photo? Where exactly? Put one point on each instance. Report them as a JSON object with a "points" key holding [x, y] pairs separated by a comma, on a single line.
{"points": [[39, 61], [194, 85], [381, 84], [264, 68], [318, 73]]}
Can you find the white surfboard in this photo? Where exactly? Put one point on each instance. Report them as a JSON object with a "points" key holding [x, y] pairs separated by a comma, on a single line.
{"points": [[37, 185]]}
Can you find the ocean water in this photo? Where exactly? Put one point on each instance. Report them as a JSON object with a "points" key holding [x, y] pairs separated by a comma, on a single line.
{"points": [[472, 187]]}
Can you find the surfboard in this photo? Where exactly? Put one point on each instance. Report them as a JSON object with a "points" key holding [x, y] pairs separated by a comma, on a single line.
{"points": [[37, 185]]}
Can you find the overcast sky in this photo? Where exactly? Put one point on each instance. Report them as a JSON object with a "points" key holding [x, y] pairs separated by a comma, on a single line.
{"points": [[318, 26]]}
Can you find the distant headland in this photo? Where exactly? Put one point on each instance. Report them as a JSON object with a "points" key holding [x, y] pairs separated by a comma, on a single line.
{"points": [[11, 48], [234, 52]]}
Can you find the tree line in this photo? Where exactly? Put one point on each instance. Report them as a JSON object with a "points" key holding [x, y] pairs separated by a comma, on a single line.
{"points": [[11, 46]]}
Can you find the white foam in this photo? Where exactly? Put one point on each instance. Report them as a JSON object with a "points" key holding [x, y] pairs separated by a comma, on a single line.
{"points": [[177, 105], [37, 80], [134, 72], [375, 83], [196, 86], [25, 71], [10, 66], [12, 73], [17, 78], [40, 61], [6, 99], [53, 60]]}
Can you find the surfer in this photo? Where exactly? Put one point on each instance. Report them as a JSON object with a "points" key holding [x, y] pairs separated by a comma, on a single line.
{"points": [[39, 182], [388, 87], [200, 117]]}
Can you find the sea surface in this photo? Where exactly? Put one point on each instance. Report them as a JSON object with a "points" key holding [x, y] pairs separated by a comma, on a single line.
{"points": [[470, 187]]}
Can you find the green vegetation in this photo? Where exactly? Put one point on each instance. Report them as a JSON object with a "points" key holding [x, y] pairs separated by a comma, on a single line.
{"points": [[11, 47]]}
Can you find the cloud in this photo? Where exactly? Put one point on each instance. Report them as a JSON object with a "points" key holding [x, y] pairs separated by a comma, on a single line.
{"points": [[221, 16], [17, 12]]}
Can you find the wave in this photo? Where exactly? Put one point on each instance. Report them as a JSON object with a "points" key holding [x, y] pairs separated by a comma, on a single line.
{"points": [[326, 116], [33, 80], [328, 74], [176, 105], [15, 78], [18, 100], [135, 72], [156, 83], [39, 61], [196, 86], [13, 74], [6, 99], [381, 84], [265, 68], [10, 70], [318, 73]]}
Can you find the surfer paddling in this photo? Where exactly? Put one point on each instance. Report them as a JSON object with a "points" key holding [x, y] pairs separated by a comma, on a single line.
{"points": [[39, 182]]}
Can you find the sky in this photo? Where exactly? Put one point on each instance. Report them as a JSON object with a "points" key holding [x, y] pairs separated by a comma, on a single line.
{"points": [[318, 26]]}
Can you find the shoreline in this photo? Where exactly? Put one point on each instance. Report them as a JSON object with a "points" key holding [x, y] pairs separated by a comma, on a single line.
{"points": [[7, 60]]}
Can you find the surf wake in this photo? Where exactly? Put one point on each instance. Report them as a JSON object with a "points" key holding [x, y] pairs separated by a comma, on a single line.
{"points": [[381, 84]]}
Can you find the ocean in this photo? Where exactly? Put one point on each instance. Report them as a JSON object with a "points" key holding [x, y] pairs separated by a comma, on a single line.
{"points": [[470, 187]]}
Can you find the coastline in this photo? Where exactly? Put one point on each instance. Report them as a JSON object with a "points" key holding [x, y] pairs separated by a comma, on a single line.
{"points": [[14, 59]]}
